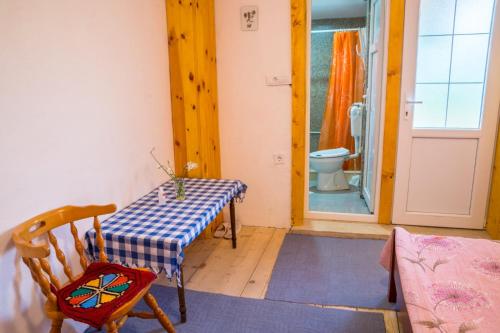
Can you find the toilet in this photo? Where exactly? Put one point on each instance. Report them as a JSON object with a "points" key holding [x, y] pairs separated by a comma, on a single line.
{"points": [[328, 163]]}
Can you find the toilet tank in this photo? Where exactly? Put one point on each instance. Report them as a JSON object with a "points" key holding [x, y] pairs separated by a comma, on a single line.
{"points": [[356, 115]]}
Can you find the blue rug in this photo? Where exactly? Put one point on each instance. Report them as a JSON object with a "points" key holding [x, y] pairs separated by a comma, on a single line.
{"points": [[330, 271], [216, 313]]}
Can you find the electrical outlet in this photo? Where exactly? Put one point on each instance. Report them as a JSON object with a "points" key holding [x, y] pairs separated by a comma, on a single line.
{"points": [[278, 159]]}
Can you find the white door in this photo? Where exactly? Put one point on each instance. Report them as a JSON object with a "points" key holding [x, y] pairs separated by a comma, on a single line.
{"points": [[373, 100], [449, 110]]}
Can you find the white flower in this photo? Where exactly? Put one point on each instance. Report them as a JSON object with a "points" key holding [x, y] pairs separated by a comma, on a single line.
{"points": [[191, 166], [167, 169]]}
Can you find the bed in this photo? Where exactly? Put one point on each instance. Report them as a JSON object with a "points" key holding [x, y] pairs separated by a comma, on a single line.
{"points": [[444, 284]]}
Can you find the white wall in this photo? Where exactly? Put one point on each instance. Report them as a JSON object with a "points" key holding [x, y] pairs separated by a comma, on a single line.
{"points": [[326, 9], [84, 95], [255, 120]]}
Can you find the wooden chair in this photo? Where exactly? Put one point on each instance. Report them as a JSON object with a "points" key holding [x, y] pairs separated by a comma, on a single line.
{"points": [[35, 256]]}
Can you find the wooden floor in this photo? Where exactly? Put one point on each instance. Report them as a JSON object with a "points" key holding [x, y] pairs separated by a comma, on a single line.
{"points": [[211, 265]]}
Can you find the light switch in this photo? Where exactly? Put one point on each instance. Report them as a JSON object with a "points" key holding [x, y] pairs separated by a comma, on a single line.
{"points": [[278, 80]]}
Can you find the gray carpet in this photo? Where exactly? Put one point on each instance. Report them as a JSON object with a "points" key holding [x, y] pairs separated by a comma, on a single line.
{"points": [[209, 313], [330, 271]]}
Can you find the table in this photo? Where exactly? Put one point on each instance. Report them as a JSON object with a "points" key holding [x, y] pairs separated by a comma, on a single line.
{"points": [[153, 235]]}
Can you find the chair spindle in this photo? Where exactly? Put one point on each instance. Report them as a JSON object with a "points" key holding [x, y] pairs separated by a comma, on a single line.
{"points": [[33, 274], [79, 246], [42, 280], [60, 256], [47, 269], [100, 240]]}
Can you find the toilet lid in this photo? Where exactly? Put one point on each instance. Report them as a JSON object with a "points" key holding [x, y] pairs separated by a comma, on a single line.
{"points": [[337, 152]]}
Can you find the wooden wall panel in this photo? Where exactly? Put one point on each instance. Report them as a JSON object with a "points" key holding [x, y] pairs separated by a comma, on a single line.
{"points": [[193, 85], [493, 220], [206, 86], [299, 89], [391, 120], [176, 62]]}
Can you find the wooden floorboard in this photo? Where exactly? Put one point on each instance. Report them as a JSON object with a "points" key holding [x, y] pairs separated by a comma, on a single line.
{"points": [[196, 257], [256, 286], [391, 322], [211, 265], [227, 270]]}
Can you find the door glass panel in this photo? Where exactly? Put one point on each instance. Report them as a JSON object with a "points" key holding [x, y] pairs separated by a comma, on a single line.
{"points": [[452, 56], [464, 108], [432, 112], [433, 59], [473, 16], [376, 22], [436, 17], [469, 58]]}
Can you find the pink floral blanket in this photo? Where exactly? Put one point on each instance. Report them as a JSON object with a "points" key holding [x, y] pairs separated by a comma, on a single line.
{"points": [[450, 284]]}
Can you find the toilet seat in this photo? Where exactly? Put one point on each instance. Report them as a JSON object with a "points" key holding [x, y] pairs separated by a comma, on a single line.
{"points": [[329, 153]]}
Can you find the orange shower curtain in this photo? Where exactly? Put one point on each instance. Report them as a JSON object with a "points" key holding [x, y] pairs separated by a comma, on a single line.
{"points": [[346, 87]]}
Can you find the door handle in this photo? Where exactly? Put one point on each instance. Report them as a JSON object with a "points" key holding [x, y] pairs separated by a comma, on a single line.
{"points": [[414, 102]]}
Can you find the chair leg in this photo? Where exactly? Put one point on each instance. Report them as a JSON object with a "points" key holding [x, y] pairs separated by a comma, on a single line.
{"points": [[111, 327], [162, 317], [56, 326]]}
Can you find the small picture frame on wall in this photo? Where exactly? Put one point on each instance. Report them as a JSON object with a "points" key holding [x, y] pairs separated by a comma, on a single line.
{"points": [[249, 18]]}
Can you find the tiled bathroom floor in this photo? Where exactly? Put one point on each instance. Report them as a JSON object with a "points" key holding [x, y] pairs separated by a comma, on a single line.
{"points": [[348, 201]]}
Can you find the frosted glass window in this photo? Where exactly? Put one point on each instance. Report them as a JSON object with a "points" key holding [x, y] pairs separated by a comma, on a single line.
{"points": [[432, 111], [452, 57], [464, 106], [436, 17], [473, 16], [470, 53], [433, 59]]}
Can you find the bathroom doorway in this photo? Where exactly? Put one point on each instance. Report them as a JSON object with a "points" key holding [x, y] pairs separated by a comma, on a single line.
{"points": [[346, 48]]}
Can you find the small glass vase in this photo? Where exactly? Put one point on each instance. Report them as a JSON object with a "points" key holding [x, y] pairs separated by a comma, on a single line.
{"points": [[180, 189]]}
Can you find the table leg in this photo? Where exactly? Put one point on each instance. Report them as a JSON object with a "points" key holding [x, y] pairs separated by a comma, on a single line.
{"points": [[233, 222], [182, 298]]}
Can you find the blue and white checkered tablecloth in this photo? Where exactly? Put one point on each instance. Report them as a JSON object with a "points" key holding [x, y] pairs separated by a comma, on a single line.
{"points": [[147, 234]]}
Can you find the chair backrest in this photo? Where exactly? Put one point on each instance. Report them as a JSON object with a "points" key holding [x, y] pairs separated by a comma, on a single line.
{"points": [[35, 255]]}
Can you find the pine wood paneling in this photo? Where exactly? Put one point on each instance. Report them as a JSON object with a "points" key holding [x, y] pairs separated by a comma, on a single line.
{"points": [[493, 221], [193, 85], [391, 121], [299, 63]]}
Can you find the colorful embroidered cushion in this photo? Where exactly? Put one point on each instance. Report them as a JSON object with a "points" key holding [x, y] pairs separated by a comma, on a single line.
{"points": [[100, 291]]}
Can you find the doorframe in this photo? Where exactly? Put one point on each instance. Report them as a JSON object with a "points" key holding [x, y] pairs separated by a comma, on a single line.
{"points": [[298, 9], [300, 26]]}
